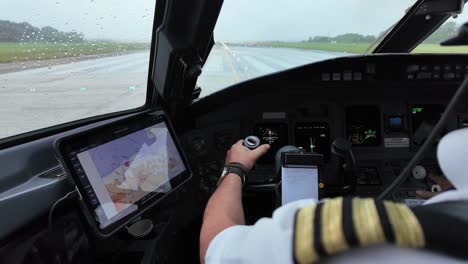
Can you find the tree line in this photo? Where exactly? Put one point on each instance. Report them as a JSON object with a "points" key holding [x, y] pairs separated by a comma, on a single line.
{"points": [[445, 32], [25, 32]]}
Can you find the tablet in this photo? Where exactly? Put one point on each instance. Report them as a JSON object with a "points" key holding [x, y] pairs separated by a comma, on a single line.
{"points": [[124, 168], [301, 176]]}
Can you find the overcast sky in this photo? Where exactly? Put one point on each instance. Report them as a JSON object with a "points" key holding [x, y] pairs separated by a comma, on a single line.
{"points": [[248, 20], [129, 20], [239, 21]]}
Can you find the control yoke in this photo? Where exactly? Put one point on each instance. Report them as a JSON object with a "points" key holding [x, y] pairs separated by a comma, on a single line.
{"points": [[342, 148]]}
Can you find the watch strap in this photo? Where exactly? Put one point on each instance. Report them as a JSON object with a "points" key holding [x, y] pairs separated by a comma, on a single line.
{"points": [[235, 168]]}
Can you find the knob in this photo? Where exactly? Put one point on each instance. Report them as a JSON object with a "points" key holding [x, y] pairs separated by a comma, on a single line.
{"points": [[436, 188], [419, 173], [251, 142]]}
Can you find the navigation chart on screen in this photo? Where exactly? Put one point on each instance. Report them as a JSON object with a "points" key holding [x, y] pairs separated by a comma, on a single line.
{"points": [[133, 166]]}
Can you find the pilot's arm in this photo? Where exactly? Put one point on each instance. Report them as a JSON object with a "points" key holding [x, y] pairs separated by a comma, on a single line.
{"points": [[341, 230], [224, 208]]}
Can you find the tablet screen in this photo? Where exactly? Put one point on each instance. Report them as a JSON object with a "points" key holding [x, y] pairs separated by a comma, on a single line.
{"points": [[120, 172], [124, 171], [299, 183]]}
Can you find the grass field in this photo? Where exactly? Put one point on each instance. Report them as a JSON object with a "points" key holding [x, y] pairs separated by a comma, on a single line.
{"points": [[351, 48], [17, 52], [433, 48], [14, 52], [358, 48]]}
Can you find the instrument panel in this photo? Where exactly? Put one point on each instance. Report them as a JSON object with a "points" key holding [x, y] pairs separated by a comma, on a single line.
{"points": [[386, 115], [423, 119], [363, 126], [384, 137]]}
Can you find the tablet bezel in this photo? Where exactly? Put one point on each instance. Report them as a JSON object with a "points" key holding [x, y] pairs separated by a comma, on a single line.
{"points": [[120, 128]]}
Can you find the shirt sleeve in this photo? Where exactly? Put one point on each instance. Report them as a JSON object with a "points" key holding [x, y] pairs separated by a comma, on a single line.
{"points": [[268, 241]]}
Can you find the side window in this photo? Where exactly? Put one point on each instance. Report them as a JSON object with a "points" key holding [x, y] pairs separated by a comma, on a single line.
{"points": [[63, 61], [448, 30]]}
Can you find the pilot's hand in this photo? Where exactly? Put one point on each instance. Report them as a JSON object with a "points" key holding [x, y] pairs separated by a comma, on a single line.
{"points": [[239, 153], [442, 181]]}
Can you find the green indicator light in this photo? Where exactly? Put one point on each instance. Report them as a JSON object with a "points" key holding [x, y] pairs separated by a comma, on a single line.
{"points": [[132, 88], [416, 110], [83, 89]]}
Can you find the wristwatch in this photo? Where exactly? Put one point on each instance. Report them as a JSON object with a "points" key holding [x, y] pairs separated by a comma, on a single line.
{"points": [[235, 168]]}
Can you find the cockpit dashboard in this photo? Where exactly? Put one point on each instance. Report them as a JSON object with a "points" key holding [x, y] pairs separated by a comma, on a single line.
{"points": [[384, 105]]}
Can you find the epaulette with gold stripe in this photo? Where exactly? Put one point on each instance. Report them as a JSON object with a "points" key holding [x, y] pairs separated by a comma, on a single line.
{"points": [[341, 224]]}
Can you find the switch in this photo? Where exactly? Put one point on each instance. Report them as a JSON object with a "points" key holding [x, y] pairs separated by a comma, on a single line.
{"points": [[358, 76], [336, 76], [348, 76], [449, 76]]}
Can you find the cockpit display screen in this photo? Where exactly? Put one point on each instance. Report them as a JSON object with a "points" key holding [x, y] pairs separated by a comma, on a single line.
{"points": [[423, 120], [363, 125], [125, 169], [313, 137], [275, 134]]}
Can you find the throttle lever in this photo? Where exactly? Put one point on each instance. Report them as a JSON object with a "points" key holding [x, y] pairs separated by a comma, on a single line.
{"points": [[343, 149]]}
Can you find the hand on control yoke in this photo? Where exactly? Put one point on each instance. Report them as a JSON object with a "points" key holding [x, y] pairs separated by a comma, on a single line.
{"points": [[240, 153]]}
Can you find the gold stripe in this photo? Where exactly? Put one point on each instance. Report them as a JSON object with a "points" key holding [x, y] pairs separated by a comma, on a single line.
{"points": [[406, 227], [333, 238], [367, 222], [304, 249]]}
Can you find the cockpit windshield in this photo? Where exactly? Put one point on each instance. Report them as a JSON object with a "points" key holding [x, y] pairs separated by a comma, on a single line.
{"points": [[255, 38], [62, 61]]}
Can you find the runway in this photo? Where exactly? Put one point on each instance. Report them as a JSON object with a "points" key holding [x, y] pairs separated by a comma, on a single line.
{"points": [[228, 65], [49, 95]]}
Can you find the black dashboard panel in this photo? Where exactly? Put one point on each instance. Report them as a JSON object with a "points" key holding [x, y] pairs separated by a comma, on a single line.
{"points": [[367, 99]]}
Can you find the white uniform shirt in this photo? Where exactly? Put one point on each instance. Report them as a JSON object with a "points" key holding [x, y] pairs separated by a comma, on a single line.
{"points": [[270, 241]]}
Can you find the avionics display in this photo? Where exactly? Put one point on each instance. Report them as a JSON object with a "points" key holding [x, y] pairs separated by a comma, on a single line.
{"points": [[314, 137], [363, 125], [275, 134], [423, 120], [123, 169]]}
